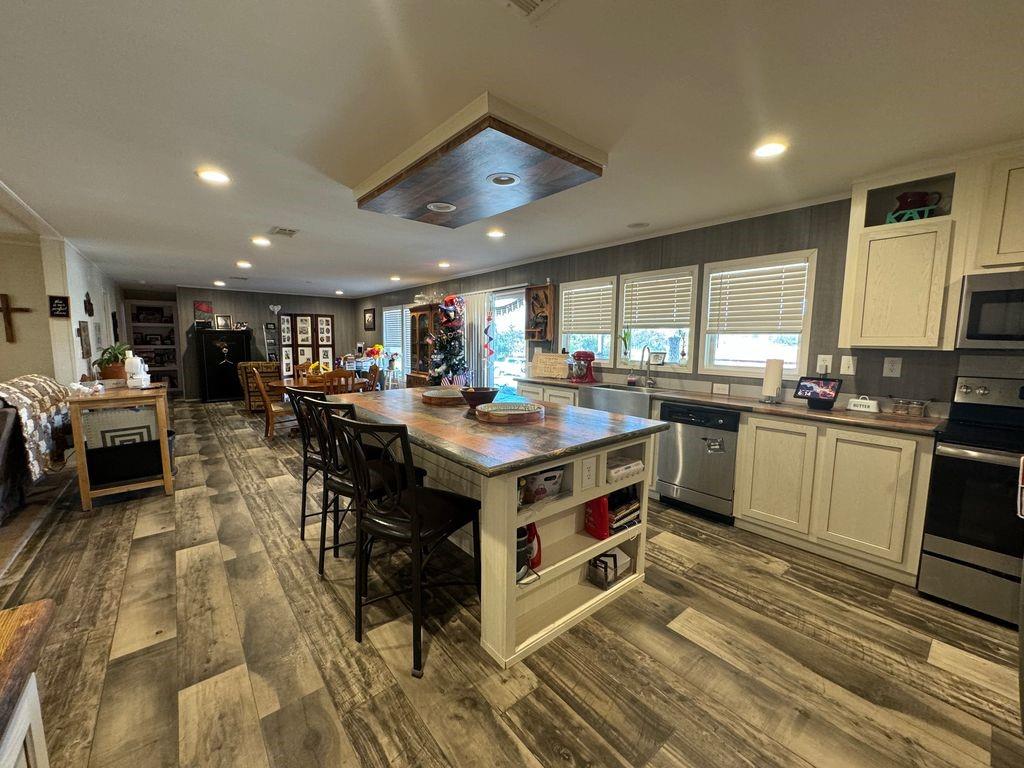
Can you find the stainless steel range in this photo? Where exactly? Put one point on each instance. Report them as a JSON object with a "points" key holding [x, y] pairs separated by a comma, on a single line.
{"points": [[973, 537]]}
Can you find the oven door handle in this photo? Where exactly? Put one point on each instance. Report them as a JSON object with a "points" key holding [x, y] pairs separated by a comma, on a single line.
{"points": [[1002, 458]]}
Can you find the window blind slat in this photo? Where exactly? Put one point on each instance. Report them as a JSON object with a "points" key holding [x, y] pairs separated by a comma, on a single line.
{"points": [[769, 299], [587, 309]]}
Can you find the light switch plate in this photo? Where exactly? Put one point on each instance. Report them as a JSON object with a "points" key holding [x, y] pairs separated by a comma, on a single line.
{"points": [[892, 367], [720, 389], [824, 365], [848, 365]]}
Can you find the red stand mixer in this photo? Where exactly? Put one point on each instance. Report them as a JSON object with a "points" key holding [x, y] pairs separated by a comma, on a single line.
{"points": [[581, 367]]}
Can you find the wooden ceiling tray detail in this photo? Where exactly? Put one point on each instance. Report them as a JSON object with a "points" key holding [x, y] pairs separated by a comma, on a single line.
{"points": [[452, 164]]}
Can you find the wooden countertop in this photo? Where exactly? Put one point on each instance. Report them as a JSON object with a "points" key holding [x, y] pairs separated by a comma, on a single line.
{"points": [[887, 421], [157, 389], [490, 449], [22, 636]]}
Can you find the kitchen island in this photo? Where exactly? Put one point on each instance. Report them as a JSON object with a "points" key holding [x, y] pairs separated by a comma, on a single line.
{"points": [[486, 462]]}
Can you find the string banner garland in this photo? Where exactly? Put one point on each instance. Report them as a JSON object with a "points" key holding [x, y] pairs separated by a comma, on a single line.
{"points": [[488, 336], [512, 306]]}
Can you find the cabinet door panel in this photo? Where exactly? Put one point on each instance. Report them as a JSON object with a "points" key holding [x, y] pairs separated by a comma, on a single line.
{"points": [[864, 486], [775, 473], [530, 392], [1002, 224], [900, 286], [559, 395]]}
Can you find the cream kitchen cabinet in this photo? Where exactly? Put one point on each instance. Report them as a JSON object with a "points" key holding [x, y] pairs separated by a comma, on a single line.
{"points": [[864, 483], [856, 495], [899, 286], [774, 472], [1001, 234], [547, 394]]}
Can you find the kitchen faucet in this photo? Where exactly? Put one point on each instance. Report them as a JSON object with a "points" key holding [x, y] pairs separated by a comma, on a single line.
{"points": [[648, 381]]}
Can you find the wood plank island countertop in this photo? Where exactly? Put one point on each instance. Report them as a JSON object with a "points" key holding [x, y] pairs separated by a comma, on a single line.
{"points": [[492, 449], [586, 455], [22, 636]]}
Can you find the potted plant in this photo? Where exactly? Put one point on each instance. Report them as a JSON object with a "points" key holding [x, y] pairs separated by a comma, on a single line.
{"points": [[111, 361]]}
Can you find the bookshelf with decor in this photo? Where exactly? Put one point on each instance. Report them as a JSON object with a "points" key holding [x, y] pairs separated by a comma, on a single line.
{"points": [[153, 335]]}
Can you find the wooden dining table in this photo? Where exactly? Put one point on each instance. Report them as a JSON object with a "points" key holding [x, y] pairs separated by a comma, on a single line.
{"points": [[317, 383]]}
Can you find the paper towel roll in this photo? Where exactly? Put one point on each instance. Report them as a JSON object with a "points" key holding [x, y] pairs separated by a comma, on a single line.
{"points": [[772, 386]]}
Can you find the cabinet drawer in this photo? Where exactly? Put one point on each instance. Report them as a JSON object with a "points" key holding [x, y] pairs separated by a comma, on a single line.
{"points": [[560, 395], [531, 391]]}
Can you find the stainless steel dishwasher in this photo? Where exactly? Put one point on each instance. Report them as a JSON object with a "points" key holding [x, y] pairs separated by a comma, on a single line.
{"points": [[697, 458]]}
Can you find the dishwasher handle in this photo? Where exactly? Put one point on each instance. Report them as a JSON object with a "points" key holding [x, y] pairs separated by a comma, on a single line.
{"points": [[700, 416]]}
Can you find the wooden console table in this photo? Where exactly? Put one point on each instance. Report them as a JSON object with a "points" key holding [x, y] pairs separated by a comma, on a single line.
{"points": [[22, 636], [124, 397]]}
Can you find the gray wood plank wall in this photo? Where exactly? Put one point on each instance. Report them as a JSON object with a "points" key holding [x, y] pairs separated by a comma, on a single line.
{"points": [[253, 308], [926, 374]]}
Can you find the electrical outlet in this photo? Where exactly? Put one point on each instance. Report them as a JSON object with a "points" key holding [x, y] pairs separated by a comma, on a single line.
{"points": [[892, 367], [848, 365], [824, 365], [720, 389], [588, 473]]}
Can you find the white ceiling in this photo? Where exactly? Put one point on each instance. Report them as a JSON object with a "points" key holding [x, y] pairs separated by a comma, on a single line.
{"points": [[108, 107]]}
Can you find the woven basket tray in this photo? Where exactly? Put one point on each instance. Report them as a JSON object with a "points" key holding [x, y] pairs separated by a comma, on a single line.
{"points": [[510, 413]]}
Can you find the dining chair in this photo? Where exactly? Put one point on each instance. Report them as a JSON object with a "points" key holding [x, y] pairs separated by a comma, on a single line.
{"points": [[313, 460], [391, 506], [273, 411], [340, 381], [302, 369], [372, 377]]}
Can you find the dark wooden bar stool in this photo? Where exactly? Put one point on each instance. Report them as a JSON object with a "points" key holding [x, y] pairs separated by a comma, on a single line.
{"points": [[312, 455], [392, 506]]}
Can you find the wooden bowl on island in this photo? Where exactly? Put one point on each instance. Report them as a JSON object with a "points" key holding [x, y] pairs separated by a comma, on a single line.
{"points": [[475, 396]]}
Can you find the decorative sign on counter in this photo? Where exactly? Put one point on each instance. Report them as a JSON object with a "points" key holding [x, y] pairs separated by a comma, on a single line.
{"points": [[60, 306]]}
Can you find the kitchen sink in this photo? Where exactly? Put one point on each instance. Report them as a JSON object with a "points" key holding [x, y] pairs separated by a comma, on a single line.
{"points": [[618, 398]]}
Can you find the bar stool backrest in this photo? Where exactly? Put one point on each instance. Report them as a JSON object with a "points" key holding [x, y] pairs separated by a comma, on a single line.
{"points": [[393, 471], [323, 436], [298, 397]]}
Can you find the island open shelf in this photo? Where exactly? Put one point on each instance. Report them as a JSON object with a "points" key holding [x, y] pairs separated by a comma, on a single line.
{"points": [[487, 461]]}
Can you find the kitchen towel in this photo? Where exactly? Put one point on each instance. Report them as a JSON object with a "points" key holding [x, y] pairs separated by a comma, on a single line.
{"points": [[772, 386]]}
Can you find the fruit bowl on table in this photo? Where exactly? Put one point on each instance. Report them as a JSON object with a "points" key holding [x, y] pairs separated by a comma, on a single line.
{"points": [[475, 396]]}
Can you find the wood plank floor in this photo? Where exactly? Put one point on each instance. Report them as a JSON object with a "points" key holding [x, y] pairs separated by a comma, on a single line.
{"points": [[193, 630]]}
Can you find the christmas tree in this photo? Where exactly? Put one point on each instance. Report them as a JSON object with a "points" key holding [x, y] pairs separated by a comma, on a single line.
{"points": [[448, 352]]}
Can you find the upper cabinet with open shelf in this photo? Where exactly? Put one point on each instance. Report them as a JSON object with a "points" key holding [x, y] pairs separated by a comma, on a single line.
{"points": [[915, 232]]}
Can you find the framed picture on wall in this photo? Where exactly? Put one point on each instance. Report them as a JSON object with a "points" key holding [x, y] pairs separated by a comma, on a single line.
{"points": [[325, 329], [222, 322], [304, 330], [305, 355], [286, 330], [286, 362], [325, 358], [370, 319]]}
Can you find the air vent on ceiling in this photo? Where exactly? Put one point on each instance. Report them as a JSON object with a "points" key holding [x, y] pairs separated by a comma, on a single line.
{"points": [[531, 9], [233, 277], [284, 231]]}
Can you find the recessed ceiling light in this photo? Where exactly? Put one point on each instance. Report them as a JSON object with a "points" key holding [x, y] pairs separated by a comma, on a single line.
{"points": [[443, 264], [213, 175], [495, 234], [394, 278], [219, 283], [770, 149], [504, 179], [261, 241], [440, 207], [340, 293], [243, 264], [639, 225], [142, 282]]}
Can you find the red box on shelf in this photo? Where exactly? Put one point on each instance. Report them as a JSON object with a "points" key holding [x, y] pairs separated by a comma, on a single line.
{"points": [[596, 518]]}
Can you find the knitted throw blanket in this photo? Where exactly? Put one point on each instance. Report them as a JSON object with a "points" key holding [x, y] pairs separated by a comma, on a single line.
{"points": [[42, 406]]}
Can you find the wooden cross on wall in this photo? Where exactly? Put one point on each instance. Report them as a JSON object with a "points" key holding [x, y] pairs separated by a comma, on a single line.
{"points": [[7, 310]]}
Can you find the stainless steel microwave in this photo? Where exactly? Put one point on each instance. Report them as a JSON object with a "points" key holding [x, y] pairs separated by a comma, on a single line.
{"points": [[992, 312]]}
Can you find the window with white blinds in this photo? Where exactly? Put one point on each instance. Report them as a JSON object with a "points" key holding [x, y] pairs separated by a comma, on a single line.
{"points": [[396, 332], [658, 312], [756, 309], [587, 316]]}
